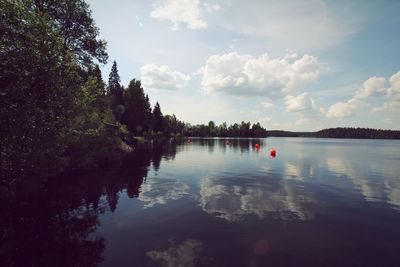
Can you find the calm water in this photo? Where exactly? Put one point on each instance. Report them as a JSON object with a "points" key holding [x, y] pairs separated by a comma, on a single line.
{"points": [[319, 202]]}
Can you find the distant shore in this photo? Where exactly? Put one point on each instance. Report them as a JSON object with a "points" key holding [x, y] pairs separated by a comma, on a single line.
{"points": [[341, 132]]}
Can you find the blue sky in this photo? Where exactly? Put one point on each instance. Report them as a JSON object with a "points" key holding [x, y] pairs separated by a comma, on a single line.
{"points": [[292, 65]]}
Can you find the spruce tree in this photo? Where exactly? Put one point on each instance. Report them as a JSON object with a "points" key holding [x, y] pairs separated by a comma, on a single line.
{"points": [[148, 115], [157, 118], [136, 115], [116, 91], [113, 80]]}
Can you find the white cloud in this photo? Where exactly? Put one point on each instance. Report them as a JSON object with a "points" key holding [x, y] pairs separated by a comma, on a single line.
{"points": [[242, 74], [393, 93], [159, 77], [371, 87], [392, 104], [395, 84], [212, 7], [187, 12], [343, 109], [302, 102], [267, 104], [303, 121]]}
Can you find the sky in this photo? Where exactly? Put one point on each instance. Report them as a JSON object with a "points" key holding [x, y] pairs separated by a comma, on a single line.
{"points": [[290, 65]]}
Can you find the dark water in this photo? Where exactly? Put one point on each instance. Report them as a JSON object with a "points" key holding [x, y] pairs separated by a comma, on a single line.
{"points": [[319, 202]]}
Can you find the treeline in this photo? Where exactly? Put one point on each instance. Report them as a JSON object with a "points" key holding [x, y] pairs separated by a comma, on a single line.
{"points": [[364, 133], [55, 106], [132, 108], [341, 132], [244, 129]]}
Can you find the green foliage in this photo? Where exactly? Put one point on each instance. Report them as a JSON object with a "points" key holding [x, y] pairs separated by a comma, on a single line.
{"points": [[158, 121], [365, 133], [235, 130], [40, 83], [136, 116], [52, 94], [72, 21], [115, 91]]}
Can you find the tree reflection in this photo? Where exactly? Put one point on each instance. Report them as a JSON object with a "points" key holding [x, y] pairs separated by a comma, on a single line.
{"points": [[52, 221]]}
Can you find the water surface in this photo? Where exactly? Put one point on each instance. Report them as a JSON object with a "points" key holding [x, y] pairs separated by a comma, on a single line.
{"points": [[319, 202]]}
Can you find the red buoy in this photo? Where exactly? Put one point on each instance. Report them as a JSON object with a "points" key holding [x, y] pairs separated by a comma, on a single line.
{"points": [[257, 145], [272, 152]]}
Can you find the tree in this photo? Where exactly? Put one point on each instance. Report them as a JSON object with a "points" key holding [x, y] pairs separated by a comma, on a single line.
{"points": [[136, 116], [39, 86], [115, 91], [157, 118], [148, 113], [73, 23], [113, 80], [50, 87], [211, 128]]}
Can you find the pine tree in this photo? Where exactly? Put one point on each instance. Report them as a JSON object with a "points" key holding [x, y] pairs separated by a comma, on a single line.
{"points": [[113, 80], [157, 118], [116, 91], [148, 115], [136, 115]]}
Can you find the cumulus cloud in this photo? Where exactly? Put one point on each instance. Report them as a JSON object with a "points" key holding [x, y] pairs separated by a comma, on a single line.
{"points": [[395, 84], [242, 74], [393, 94], [343, 109], [391, 104], [371, 87], [212, 7], [187, 12], [159, 77], [302, 102]]}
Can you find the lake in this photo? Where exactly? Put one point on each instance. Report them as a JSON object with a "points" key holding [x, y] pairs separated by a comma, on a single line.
{"points": [[206, 202]]}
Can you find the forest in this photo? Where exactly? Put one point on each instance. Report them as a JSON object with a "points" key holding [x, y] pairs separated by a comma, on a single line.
{"points": [[55, 106], [341, 132]]}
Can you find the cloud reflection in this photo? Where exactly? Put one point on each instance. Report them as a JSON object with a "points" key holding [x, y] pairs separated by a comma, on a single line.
{"points": [[161, 190], [182, 255], [384, 189], [233, 202]]}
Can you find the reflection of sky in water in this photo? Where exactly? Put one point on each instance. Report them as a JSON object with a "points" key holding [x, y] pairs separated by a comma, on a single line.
{"points": [[368, 165], [208, 188], [160, 191], [213, 168], [183, 254], [233, 202]]}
